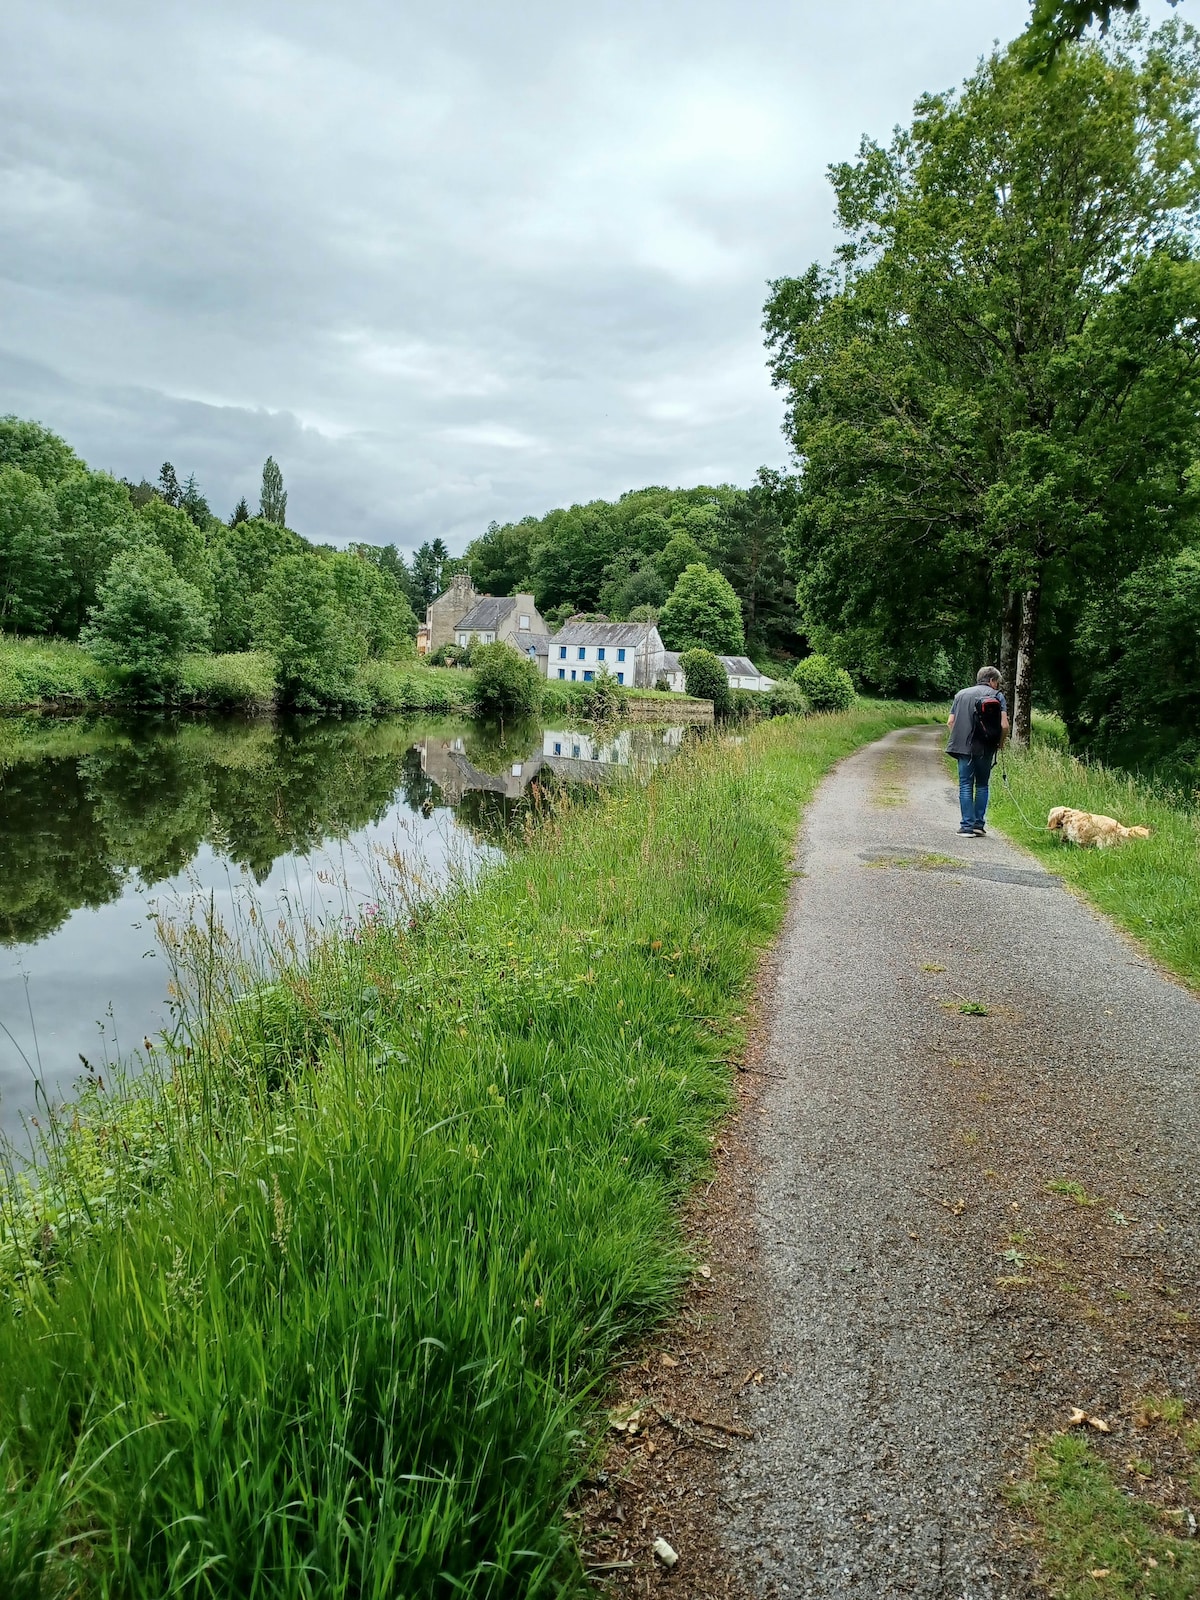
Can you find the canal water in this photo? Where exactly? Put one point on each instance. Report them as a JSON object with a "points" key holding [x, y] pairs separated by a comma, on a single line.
{"points": [[107, 825]]}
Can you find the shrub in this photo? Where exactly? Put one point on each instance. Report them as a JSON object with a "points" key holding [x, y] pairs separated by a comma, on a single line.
{"points": [[146, 618], [301, 623], [603, 698], [704, 678], [38, 671], [506, 682], [824, 686], [702, 613], [242, 680], [786, 699]]}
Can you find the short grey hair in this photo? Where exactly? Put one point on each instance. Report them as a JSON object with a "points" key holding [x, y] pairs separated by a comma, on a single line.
{"points": [[987, 675]]}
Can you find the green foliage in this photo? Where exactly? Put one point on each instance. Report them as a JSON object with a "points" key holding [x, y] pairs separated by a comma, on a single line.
{"points": [[824, 686], [272, 500], [394, 1280], [36, 672], [174, 532], [145, 620], [785, 699], [1139, 695], [242, 681], [506, 683], [95, 523], [604, 698], [617, 557], [315, 644], [241, 561], [31, 561], [994, 388], [704, 678], [375, 604], [1058, 23], [702, 613], [36, 450]]}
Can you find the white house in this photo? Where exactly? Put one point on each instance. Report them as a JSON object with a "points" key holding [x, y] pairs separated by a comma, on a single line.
{"points": [[743, 674], [632, 652], [740, 670]]}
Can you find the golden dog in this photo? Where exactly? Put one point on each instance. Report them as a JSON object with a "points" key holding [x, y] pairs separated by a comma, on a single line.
{"points": [[1085, 828]]}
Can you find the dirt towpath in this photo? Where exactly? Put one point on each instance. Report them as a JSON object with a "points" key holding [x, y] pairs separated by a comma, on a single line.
{"points": [[951, 1034]]}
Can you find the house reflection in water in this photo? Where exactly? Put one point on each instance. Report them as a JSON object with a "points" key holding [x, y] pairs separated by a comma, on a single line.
{"points": [[570, 755]]}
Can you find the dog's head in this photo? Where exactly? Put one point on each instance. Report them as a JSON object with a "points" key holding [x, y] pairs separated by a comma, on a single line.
{"points": [[1139, 833], [1057, 817]]}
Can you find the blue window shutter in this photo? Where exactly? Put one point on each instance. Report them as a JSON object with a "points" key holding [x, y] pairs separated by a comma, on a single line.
{"points": [[620, 677], [561, 673], [583, 652], [562, 652], [600, 653], [620, 655]]}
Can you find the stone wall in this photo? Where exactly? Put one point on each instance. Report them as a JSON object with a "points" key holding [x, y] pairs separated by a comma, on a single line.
{"points": [[445, 611]]}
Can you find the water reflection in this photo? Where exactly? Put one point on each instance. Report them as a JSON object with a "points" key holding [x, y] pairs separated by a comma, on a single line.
{"points": [[103, 821]]}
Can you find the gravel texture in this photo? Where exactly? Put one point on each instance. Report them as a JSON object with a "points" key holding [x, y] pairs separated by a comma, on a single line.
{"points": [[929, 1305]]}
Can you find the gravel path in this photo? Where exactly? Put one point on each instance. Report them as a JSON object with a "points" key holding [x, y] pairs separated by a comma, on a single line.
{"points": [[931, 1304]]}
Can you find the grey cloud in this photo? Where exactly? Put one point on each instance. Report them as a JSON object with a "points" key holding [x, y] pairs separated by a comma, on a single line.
{"points": [[445, 263]]}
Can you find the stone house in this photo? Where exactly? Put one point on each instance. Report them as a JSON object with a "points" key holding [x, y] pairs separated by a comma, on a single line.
{"points": [[462, 614], [631, 651]]}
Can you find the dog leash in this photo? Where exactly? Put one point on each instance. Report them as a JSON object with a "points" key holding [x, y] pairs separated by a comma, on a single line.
{"points": [[1004, 779]]}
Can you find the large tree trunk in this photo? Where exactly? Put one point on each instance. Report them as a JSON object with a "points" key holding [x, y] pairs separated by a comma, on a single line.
{"points": [[1009, 626], [1026, 645]]}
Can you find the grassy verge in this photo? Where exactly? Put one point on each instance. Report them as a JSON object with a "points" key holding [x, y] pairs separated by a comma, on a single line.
{"points": [[1151, 887], [325, 1316], [1118, 1530]]}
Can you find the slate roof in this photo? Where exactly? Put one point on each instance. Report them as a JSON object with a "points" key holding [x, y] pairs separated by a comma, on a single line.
{"points": [[670, 660], [539, 642], [615, 633], [740, 667], [486, 615]]}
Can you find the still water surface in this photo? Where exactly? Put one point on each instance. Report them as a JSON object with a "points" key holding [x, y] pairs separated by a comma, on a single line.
{"points": [[106, 824]]}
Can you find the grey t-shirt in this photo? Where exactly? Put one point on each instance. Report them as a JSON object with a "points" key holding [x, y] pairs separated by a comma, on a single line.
{"points": [[963, 712]]}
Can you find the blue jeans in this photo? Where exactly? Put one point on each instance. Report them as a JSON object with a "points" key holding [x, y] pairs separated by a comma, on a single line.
{"points": [[974, 775]]}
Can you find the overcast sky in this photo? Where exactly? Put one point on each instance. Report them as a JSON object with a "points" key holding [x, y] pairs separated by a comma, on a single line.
{"points": [[446, 262]]}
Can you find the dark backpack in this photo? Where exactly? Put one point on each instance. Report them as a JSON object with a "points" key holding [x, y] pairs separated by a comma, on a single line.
{"points": [[987, 726]]}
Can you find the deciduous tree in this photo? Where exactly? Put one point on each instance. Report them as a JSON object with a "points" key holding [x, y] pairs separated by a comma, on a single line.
{"points": [[994, 389], [272, 500], [702, 613]]}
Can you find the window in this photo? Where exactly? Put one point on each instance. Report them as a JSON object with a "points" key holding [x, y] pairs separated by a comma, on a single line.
{"points": [[583, 652], [562, 652], [575, 751], [524, 621], [588, 676], [620, 655], [561, 673], [572, 674], [516, 769], [558, 747], [620, 677], [462, 639], [600, 653]]}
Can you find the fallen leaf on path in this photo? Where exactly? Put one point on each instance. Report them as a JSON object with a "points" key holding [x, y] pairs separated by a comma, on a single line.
{"points": [[667, 1361], [1098, 1572]]}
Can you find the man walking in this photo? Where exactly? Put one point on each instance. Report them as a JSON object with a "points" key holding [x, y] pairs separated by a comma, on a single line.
{"points": [[978, 724]]}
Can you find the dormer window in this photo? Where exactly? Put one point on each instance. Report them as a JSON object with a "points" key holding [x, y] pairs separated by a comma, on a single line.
{"points": [[524, 624]]}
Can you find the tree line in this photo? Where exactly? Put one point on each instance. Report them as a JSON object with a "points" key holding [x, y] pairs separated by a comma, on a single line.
{"points": [[625, 559], [993, 391], [143, 573]]}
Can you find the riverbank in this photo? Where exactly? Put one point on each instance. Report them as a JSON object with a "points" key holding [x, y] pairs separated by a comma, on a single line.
{"points": [[56, 676], [385, 1228]]}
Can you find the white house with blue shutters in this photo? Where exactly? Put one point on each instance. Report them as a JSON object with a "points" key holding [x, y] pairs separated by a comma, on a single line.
{"points": [[632, 652]]}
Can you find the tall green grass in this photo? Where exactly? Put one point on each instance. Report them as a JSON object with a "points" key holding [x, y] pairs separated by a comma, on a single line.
{"points": [[325, 1316], [1150, 886], [36, 672]]}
